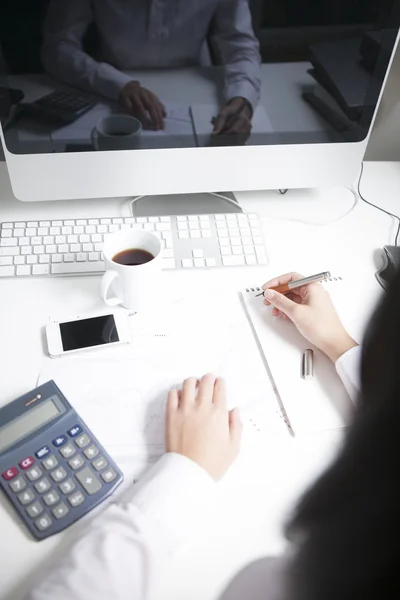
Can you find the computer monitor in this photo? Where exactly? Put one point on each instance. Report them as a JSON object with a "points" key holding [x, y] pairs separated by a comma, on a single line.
{"points": [[162, 98]]}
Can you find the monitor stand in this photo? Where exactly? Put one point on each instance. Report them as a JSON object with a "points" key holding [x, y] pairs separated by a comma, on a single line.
{"points": [[184, 204]]}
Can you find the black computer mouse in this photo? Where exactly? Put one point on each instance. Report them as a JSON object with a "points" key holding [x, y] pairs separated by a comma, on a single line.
{"points": [[391, 266]]}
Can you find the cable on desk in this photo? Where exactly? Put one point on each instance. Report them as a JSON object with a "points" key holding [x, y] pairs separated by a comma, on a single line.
{"points": [[377, 207]]}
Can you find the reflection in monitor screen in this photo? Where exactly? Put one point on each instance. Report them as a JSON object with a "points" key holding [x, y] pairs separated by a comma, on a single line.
{"points": [[102, 75]]}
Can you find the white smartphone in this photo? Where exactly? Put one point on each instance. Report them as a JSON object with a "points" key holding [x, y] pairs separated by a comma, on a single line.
{"points": [[87, 333]]}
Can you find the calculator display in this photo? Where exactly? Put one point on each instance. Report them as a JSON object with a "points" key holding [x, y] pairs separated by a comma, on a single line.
{"points": [[28, 423]]}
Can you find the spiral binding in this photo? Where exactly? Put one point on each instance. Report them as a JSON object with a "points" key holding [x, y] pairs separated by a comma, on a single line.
{"points": [[260, 289]]}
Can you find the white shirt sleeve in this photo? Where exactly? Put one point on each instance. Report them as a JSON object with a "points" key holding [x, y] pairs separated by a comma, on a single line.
{"points": [[240, 52], [348, 369], [63, 55], [123, 551]]}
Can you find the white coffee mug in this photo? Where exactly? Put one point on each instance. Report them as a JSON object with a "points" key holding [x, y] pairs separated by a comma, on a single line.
{"points": [[134, 286], [117, 132]]}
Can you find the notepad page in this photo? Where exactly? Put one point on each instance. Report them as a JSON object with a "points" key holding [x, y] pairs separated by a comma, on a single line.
{"points": [[311, 405]]}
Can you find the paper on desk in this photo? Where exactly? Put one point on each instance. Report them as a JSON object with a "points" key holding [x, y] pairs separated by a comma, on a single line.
{"points": [[203, 115], [121, 396]]}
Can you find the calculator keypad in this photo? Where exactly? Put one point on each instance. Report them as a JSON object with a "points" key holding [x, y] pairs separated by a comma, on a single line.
{"points": [[26, 497], [83, 440], [76, 462], [50, 462], [42, 486], [51, 498], [18, 484], [34, 473], [67, 451], [59, 474], [35, 509], [60, 487]]}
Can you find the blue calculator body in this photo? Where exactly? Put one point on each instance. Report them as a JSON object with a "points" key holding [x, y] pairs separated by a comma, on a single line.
{"points": [[52, 468]]}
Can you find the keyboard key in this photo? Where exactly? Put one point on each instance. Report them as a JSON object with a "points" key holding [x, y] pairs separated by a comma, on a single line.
{"points": [[89, 481], [31, 260], [43, 523], [6, 233], [43, 231], [197, 253], [44, 224], [193, 218], [14, 251], [52, 249], [8, 226], [38, 250], [187, 263], [20, 225], [24, 241], [51, 498], [72, 239], [194, 226], [76, 498], [199, 262], [195, 234], [76, 462], [261, 255], [60, 511], [40, 269], [108, 475], [61, 239], [50, 462], [204, 225], [19, 260], [100, 463], [26, 250], [249, 250], [179, 219], [7, 271], [168, 263], [163, 227], [211, 262], [84, 239], [59, 474], [258, 241], [237, 251], [223, 233], [69, 258], [183, 235], [56, 258], [7, 242], [81, 257], [55, 230], [226, 251], [6, 260], [18, 233], [247, 241], [93, 256], [67, 451], [26, 497], [251, 260], [91, 452], [206, 234], [233, 261], [44, 259], [67, 486], [18, 484], [87, 247], [60, 441], [35, 509], [66, 268], [97, 238], [42, 486]]}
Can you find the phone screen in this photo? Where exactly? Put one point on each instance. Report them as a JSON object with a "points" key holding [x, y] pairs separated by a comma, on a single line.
{"points": [[86, 333]]}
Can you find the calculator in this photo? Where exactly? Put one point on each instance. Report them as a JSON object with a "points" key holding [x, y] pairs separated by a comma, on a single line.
{"points": [[52, 468], [65, 107]]}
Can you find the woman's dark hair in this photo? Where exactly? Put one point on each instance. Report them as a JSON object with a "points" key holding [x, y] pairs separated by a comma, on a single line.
{"points": [[347, 526]]}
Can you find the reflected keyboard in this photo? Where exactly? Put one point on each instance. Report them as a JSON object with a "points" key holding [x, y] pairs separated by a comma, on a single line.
{"points": [[74, 246]]}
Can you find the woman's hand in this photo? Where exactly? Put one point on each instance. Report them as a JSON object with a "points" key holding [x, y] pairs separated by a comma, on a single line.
{"points": [[200, 427], [310, 308]]}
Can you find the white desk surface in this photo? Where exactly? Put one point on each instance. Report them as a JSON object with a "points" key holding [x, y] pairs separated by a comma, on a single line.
{"points": [[256, 498]]}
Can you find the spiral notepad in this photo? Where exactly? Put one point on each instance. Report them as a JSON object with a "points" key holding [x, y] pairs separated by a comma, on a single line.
{"points": [[310, 405]]}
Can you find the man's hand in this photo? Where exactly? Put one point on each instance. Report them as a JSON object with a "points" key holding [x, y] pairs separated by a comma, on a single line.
{"points": [[234, 118], [311, 310], [200, 427], [144, 105]]}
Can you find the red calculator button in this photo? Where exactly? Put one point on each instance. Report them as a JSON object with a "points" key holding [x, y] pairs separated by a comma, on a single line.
{"points": [[27, 462], [10, 473]]}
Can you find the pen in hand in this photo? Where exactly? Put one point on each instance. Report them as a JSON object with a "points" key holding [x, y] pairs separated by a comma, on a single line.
{"points": [[292, 285]]}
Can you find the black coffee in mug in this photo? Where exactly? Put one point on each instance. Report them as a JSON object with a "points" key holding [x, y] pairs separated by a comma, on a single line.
{"points": [[119, 133], [133, 257]]}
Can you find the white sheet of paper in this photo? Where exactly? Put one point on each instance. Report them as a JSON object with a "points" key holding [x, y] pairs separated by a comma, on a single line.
{"points": [[121, 396]]}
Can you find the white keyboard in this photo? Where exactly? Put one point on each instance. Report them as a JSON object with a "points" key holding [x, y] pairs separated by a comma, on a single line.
{"points": [[74, 246]]}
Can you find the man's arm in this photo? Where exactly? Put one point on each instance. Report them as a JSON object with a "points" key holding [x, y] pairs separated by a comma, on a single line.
{"points": [[63, 56], [239, 48], [124, 550]]}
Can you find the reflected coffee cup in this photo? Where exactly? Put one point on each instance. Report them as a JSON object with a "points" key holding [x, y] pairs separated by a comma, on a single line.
{"points": [[117, 132]]}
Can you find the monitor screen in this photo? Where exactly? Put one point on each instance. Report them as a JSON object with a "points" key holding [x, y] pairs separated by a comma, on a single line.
{"points": [[100, 75]]}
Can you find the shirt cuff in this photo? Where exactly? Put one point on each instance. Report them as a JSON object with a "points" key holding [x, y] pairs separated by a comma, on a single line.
{"points": [[243, 89], [348, 368], [110, 82], [175, 494]]}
